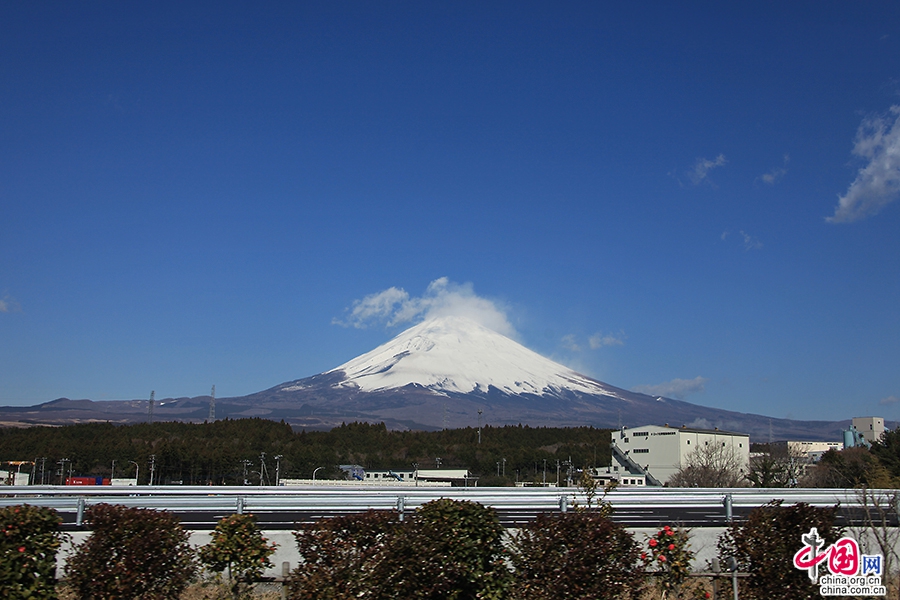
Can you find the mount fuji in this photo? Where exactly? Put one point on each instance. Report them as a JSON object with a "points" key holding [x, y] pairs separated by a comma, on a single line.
{"points": [[446, 372]]}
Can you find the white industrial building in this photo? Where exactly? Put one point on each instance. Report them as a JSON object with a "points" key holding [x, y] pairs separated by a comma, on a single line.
{"points": [[661, 451], [871, 428]]}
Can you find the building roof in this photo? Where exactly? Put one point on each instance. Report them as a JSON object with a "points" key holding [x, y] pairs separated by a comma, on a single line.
{"points": [[686, 429]]}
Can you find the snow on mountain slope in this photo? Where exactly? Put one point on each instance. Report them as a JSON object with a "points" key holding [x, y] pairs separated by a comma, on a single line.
{"points": [[456, 354]]}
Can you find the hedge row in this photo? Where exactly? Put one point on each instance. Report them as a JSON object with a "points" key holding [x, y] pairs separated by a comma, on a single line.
{"points": [[454, 550]]}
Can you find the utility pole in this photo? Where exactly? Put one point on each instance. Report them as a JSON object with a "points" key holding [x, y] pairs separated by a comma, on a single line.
{"points": [[262, 469], [150, 412], [504, 466], [479, 425], [152, 467], [247, 463], [278, 469], [112, 474], [212, 404]]}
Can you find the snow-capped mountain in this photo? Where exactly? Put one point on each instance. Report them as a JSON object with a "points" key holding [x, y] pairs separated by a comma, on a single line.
{"points": [[457, 355], [445, 372]]}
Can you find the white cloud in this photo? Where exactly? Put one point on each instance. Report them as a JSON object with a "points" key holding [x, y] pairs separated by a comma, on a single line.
{"points": [[598, 340], [889, 400], [750, 242], [776, 174], [394, 306], [703, 167], [374, 307], [878, 183], [8, 304], [569, 342], [677, 388]]}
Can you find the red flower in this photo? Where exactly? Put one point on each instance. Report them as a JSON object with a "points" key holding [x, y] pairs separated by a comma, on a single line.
{"points": [[666, 528], [652, 543], [706, 594], [643, 556], [21, 548], [662, 558], [671, 546], [670, 532]]}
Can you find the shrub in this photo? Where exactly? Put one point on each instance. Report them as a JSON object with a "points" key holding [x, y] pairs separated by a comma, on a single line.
{"points": [[764, 546], [668, 553], [131, 553], [578, 554], [334, 552], [28, 544], [238, 547], [447, 550], [450, 549]]}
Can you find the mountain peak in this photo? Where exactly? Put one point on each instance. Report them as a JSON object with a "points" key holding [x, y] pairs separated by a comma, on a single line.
{"points": [[452, 354]]}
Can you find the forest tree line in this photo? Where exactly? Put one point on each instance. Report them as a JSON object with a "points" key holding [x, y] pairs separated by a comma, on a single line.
{"points": [[228, 452]]}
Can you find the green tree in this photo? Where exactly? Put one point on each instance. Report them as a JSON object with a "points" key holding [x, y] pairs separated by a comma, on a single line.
{"points": [[238, 548]]}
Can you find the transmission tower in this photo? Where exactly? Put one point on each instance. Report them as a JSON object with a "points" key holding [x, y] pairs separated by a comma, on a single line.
{"points": [[212, 404], [150, 406]]}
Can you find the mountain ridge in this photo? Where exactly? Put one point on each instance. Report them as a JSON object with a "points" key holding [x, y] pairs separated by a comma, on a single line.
{"points": [[447, 372]]}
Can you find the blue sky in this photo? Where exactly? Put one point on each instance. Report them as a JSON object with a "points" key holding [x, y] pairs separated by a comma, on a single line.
{"points": [[692, 199]]}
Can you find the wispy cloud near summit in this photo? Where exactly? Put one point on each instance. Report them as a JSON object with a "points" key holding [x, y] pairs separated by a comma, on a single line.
{"points": [[394, 306]]}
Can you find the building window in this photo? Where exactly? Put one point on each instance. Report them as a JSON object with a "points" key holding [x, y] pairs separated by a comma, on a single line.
{"points": [[641, 450]]}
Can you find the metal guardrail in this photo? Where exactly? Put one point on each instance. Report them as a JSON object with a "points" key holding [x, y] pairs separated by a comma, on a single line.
{"points": [[201, 506]]}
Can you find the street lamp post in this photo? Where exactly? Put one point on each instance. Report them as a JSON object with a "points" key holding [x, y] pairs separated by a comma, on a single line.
{"points": [[137, 472], [316, 470], [278, 469]]}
